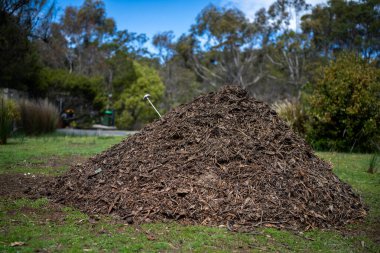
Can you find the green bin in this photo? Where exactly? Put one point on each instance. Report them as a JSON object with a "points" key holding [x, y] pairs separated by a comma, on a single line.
{"points": [[107, 119]]}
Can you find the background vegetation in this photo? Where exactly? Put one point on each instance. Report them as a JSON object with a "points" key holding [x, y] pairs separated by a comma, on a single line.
{"points": [[83, 54], [344, 107], [31, 117], [9, 113], [37, 117]]}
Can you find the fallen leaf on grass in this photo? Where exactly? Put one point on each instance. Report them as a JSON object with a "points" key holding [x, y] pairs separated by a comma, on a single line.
{"points": [[14, 244], [150, 237]]}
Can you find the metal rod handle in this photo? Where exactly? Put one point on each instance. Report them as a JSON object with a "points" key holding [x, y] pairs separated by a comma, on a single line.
{"points": [[154, 107]]}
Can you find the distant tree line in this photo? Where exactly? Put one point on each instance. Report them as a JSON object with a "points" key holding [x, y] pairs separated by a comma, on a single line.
{"points": [[84, 53], [266, 55]]}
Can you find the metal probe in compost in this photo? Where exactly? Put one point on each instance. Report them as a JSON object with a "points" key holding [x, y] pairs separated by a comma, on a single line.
{"points": [[146, 97]]}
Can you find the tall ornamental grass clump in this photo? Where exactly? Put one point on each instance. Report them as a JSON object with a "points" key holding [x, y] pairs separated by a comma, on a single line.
{"points": [[9, 113], [38, 117], [292, 113]]}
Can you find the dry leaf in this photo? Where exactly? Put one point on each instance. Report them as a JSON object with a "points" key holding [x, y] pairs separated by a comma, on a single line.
{"points": [[14, 244]]}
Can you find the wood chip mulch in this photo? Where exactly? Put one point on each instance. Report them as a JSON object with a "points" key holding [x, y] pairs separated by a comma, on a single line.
{"points": [[222, 159]]}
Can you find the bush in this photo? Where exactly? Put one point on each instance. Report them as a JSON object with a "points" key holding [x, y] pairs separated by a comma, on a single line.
{"points": [[132, 110], [89, 88], [292, 113], [344, 107], [8, 114], [38, 117]]}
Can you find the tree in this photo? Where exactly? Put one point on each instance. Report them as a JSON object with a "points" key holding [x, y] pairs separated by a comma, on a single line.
{"points": [[180, 81], [124, 47], [285, 52], [85, 41], [21, 23], [86, 29], [90, 90], [288, 59], [33, 16], [165, 45], [281, 12], [345, 105], [223, 47], [130, 43], [345, 25], [132, 110]]}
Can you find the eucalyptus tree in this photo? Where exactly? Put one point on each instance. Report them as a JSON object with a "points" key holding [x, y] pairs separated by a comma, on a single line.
{"points": [[345, 25], [224, 47], [86, 29], [180, 81], [164, 43], [287, 52]]}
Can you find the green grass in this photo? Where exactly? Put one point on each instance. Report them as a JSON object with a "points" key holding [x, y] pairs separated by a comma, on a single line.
{"points": [[352, 169], [45, 226], [50, 154], [42, 227]]}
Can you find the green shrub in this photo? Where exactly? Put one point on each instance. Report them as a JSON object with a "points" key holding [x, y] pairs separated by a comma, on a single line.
{"points": [[8, 114], [292, 113], [38, 117], [344, 107], [132, 110], [89, 88]]}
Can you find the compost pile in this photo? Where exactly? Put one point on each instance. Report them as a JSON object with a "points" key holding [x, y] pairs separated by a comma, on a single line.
{"points": [[223, 159]]}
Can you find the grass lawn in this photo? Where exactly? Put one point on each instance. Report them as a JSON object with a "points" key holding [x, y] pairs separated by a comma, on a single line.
{"points": [[50, 154], [38, 225]]}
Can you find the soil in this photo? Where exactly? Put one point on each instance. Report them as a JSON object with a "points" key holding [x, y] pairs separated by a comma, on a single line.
{"points": [[18, 185], [222, 159]]}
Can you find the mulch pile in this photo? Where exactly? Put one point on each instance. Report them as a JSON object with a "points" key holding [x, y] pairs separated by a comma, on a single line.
{"points": [[223, 159]]}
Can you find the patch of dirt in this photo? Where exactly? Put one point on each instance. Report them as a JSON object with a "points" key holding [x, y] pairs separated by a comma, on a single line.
{"points": [[223, 159], [17, 185]]}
